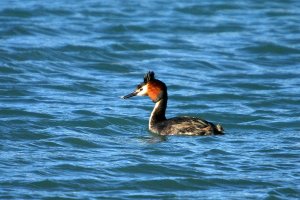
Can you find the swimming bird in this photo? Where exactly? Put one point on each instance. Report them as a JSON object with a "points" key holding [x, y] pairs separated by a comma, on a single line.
{"points": [[158, 123]]}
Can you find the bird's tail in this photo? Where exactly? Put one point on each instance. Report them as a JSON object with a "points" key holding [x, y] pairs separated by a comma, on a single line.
{"points": [[219, 129]]}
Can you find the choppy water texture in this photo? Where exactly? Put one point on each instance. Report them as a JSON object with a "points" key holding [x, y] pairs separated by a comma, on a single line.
{"points": [[65, 133]]}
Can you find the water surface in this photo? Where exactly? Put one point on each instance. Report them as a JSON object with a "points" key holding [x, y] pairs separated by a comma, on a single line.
{"points": [[66, 134]]}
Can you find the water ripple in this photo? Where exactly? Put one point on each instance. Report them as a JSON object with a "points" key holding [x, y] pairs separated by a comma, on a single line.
{"points": [[64, 129]]}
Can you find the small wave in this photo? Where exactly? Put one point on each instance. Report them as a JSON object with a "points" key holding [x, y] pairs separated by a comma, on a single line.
{"points": [[79, 142], [271, 48]]}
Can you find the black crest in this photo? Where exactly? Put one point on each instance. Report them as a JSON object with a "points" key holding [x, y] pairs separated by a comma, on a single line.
{"points": [[149, 77]]}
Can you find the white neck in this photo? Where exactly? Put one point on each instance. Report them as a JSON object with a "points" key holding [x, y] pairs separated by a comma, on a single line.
{"points": [[158, 112], [152, 114]]}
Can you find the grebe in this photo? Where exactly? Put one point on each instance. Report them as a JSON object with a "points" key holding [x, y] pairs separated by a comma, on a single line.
{"points": [[158, 123]]}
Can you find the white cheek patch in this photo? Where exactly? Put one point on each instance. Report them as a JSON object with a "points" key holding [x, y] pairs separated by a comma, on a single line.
{"points": [[142, 91]]}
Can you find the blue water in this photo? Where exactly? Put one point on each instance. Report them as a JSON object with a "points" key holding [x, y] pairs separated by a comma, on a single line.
{"points": [[66, 134]]}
